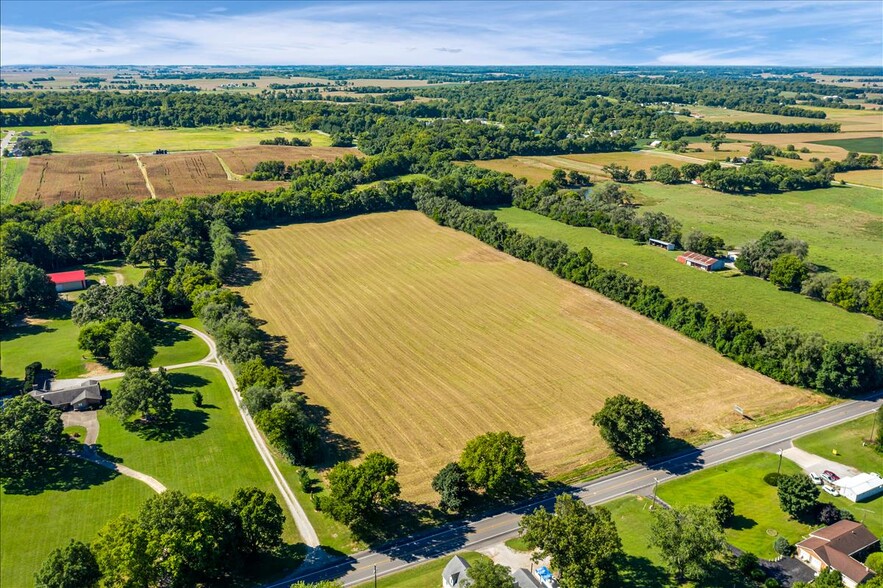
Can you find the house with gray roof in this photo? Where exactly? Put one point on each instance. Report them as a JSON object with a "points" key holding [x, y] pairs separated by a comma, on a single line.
{"points": [[70, 394], [524, 579], [456, 573]]}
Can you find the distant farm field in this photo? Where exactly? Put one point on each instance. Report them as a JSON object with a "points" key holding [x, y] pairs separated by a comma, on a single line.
{"points": [[863, 145], [123, 138], [53, 178], [843, 225], [242, 160], [849, 120], [764, 304], [863, 177], [198, 173], [417, 338]]}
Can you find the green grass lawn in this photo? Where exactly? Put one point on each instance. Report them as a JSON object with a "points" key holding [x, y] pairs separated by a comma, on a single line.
{"points": [[863, 145], [428, 574], [843, 225], [759, 520], [643, 567], [75, 503], [11, 170], [518, 544], [764, 304], [847, 439], [53, 342], [123, 138]]}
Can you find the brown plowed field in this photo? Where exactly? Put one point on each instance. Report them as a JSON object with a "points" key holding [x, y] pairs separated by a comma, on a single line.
{"points": [[243, 160], [198, 173], [417, 338], [54, 178]]}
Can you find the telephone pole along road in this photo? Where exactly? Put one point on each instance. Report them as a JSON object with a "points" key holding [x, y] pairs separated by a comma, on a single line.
{"points": [[478, 534]]}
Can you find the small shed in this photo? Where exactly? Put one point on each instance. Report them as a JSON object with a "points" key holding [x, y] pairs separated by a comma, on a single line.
{"points": [[524, 579], [861, 487], [699, 261], [661, 244], [654, 144], [456, 573], [68, 281]]}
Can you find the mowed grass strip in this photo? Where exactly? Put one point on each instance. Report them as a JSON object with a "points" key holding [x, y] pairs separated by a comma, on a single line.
{"points": [[123, 138], [848, 440], [81, 499], [55, 178], [418, 338], [209, 450], [11, 171], [764, 304]]}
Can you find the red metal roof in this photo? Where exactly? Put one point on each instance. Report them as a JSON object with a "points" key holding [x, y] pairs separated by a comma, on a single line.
{"points": [[699, 258], [65, 277]]}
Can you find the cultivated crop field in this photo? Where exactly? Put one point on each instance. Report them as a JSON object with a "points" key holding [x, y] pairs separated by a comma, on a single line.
{"points": [[198, 173], [11, 171], [242, 160], [53, 178], [417, 338]]}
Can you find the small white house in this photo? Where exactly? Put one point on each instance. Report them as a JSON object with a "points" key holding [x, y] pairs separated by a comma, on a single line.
{"points": [[860, 487], [456, 573]]}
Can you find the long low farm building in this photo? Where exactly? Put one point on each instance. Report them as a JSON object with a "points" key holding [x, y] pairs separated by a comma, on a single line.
{"points": [[699, 261], [68, 281]]}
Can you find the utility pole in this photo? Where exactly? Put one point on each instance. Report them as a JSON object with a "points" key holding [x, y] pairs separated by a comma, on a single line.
{"points": [[655, 485], [375, 576], [779, 470]]}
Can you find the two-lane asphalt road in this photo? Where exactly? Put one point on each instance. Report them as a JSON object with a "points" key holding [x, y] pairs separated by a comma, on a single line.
{"points": [[484, 532]]}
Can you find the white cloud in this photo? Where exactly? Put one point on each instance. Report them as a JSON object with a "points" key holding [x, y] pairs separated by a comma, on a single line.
{"points": [[469, 33]]}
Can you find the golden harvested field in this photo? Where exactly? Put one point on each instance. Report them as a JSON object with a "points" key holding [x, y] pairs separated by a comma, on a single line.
{"points": [[54, 178], [864, 177], [850, 120], [242, 160], [521, 167], [198, 173], [417, 338]]}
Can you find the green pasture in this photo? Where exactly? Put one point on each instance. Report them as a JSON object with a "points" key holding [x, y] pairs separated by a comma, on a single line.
{"points": [[759, 520], [53, 342], [11, 171], [863, 145], [123, 138], [848, 440], [763, 303], [73, 502], [843, 225]]}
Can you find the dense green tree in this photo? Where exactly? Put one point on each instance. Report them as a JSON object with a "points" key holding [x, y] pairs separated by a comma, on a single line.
{"points": [[665, 174], [630, 427], [358, 495], [691, 171], [619, 173], [256, 372], [261, 519], [581, 541], [31, 438], [845, 369], [289, 429], [484, 573], [688, 540], [798, 496], [496, 463], [96, 337], [640, 176], [828, 578], [258, 398], [124, 303], [559, 177], [71, 566], [875, 300], [724, 510], [32, 373], [26, 286], [130, 346], [788, 272], [757, 257], [141, 391], [452, 485], [849, 293], [703, 243]]}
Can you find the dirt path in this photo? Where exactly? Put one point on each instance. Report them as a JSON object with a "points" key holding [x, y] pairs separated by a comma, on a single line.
{"points": [[120, 279], [143, 169], [233, 177]]}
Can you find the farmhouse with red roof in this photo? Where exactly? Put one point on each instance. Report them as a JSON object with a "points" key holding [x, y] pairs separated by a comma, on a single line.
{"points": [[68, 281]]}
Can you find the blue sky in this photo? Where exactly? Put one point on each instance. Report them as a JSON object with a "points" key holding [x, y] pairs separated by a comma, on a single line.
{"points": [[748, 32]]}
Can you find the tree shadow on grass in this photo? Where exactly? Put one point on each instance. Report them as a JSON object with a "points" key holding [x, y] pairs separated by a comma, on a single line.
{"points": [[741, 523], [71, 473], [335, 447], [184, 424], [183, 380], [640, 572], [167, 334], [269, 566], [13, 333], [395, 533]]}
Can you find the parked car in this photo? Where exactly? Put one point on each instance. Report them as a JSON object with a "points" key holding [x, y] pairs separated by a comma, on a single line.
{"points": [[816, 479], [830, 476], [830, 490]]}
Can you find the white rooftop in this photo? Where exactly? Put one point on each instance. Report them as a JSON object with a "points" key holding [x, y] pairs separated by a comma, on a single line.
{"points": [[861, 483]]}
